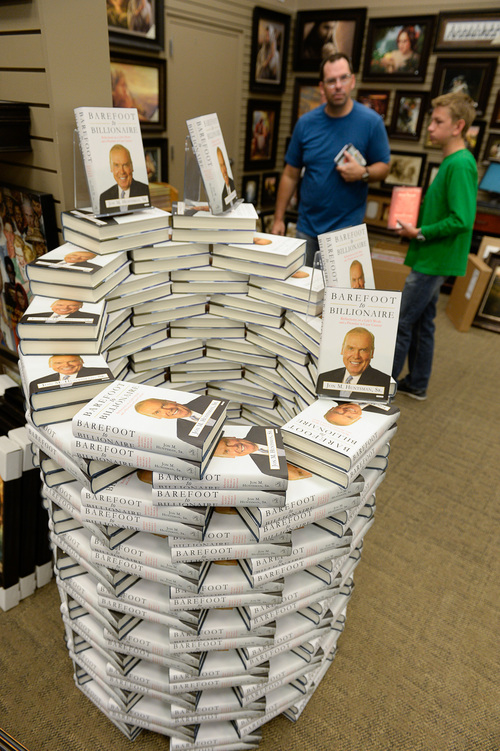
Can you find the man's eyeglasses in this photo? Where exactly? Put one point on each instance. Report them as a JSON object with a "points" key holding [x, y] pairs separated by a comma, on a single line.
{"points": [[330, 83]]}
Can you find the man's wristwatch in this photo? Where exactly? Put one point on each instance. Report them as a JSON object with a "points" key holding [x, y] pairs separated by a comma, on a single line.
{"points": [[420, 237], [365, 176]]}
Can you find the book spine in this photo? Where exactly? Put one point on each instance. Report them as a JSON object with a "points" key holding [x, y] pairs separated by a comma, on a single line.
{"points": [[117, 518], [86, 151]]}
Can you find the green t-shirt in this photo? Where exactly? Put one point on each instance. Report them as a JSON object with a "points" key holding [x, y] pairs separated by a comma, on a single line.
{"points": [[446, 218]]}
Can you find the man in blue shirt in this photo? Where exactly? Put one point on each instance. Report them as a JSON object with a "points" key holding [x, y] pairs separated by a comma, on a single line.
{"points": [[332, 195]]}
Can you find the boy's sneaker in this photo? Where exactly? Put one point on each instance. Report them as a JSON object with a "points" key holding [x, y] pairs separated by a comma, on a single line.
{"points": [[419, 394]]}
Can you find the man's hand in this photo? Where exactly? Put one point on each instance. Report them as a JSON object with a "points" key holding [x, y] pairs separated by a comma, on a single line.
{"points": [[278, 227], [351, 170], [407, 230]]}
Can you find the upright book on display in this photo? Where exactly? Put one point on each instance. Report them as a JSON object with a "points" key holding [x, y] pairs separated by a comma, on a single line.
{"points": [[113, 156], [210, 151], [359, 327], [345, 258]]}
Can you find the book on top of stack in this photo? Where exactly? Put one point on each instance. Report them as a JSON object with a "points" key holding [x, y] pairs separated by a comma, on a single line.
{"points": [[164, 421], [199, 224], [265, 255]]}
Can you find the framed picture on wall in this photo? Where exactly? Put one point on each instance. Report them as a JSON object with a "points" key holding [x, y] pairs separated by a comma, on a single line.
{"points": [[261, 134], [306, 97], [492, 148], [475, 137], [397, 49], [495, 115], [471, 31], [140, 82], [250, 188], [319, 33], [432, 170], [375, 100], [473, 76], [270, 181], [155, 151], [408, 114], [132, 23], [270, 35], [488, 314], [405, 168]]}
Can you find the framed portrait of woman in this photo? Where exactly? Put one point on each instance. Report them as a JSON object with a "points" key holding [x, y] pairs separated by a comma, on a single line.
{"points": [[397, 49], [319, 33]]}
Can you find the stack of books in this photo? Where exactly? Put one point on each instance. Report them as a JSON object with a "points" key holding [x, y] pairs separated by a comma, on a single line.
{"points": [[206, 509]]}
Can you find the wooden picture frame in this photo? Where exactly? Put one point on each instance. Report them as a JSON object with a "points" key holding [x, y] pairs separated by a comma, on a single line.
{"points": [[473, 76], [250, 185], [377, 209], [140, 82], [375, 99], [475, 137], [156, 154], [143, 30], [471, 31], [492, 148], [408, 114], [268, 62], [262, 128], [488, 312], [319, 33], [270, 182], [495, 115], [307, 96], [405, 168], [430, 174], [397, 49]]}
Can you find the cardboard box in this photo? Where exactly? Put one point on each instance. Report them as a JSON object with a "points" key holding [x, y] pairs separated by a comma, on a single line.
{"points": [[467, 293], [388, 265]]}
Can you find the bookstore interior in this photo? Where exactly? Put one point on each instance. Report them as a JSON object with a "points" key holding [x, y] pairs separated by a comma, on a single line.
{"points": [[188, 397]]}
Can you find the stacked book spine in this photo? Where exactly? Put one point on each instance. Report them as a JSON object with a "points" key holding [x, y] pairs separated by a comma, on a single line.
{"points": [[204, 586]]}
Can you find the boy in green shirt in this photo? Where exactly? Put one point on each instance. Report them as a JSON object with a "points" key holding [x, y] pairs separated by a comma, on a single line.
{"points": [[440, 245]]}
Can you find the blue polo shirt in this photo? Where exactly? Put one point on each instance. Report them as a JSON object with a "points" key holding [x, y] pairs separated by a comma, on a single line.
{"points": [[327, 202]]}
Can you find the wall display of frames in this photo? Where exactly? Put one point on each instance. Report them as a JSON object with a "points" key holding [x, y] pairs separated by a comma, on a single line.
{"points": [[408, 114], [405, 168], [270, 35], [397, 49], [155, 152], [140, 82], [375, 99], [307, 95], [468, 32], [250, 189], [270, 182], [136, 24], [472, 76], [261, 134], [319, 33]]}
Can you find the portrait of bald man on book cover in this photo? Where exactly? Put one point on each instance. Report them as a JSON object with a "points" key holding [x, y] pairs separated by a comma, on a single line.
{"points": [[126, 193], [263, 446], [356, 379], [186, 416]]}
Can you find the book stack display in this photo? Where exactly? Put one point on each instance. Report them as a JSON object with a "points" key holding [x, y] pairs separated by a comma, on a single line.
{"points": [[206, 509]]}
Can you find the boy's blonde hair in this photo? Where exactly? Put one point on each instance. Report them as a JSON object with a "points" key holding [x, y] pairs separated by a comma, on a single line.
{"points": [[461, 107]]}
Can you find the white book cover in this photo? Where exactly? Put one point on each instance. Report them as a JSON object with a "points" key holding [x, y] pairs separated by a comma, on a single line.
{"points": [[109, 227], [71, 265], [242, 216], [338, 433], [60, 379], [305, 283], [210, 151], [276, 250], [346, 259], [359, 328], [52, 318], [113, 156], [165, 421]]}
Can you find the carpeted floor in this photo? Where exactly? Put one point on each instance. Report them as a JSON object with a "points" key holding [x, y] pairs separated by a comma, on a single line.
{"points": [[418, 665]]}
